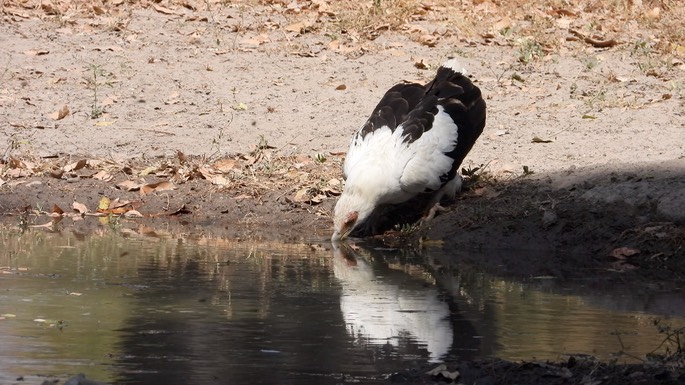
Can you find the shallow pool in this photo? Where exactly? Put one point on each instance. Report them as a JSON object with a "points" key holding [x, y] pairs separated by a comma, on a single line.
{"points": [[126, 308]]}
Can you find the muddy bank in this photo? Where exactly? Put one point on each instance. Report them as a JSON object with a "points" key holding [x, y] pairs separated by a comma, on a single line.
{"points": [[606, 223], [613, 223]]}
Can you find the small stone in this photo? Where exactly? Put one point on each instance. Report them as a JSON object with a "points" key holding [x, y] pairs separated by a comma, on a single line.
{"points": [[549, 218]]}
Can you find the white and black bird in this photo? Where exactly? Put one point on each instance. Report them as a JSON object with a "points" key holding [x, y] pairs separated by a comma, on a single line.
{"points": [[413, 143]]}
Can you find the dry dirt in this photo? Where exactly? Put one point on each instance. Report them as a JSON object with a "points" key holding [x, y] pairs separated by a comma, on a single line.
{"points": [[244, 110]]}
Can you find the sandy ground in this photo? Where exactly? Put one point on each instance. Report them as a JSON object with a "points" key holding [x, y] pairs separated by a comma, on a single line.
{"points": [[185, 82], [583, 152]]}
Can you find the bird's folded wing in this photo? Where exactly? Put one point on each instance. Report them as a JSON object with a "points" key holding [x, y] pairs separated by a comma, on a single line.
{"points": [[429, 160]]}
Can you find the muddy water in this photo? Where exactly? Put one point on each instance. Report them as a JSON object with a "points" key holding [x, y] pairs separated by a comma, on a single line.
{"points": [[123, 308]]}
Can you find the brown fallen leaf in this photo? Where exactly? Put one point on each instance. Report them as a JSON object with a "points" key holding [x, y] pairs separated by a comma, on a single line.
{"points": [[219, 180], [538, 140], [98, 10], [564, 12], [301, 195], [36, 53], [594, 42], [255, 41], [17, 13], [156, 187], [75, 166], [622, 266], [428, 40], [421, 65], [163, 10], [103, 175], [226, 165], [182, 158], [299, 27], [61, 113], [79, 207], [57, 209], [129, 185], [623, 252], [115, 204], [502, 24], [133, 214]]}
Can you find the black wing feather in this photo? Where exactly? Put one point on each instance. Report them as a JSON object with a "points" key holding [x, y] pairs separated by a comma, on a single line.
{"points": [[394, 107], [414, 106]]}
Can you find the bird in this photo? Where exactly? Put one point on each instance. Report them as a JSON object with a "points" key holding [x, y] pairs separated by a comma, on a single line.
{"points": [[412, 144]]}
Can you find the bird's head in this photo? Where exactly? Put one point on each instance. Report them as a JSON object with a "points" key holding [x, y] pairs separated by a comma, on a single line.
{"points": [[351, 211]]}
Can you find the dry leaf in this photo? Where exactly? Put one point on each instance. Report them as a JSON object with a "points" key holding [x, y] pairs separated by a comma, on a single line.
{"points": [[428, 40], [594, 42], [298, 27], [57, 210], [154, 187], [240, 106], [115, 204], [163, 10], [219, 180], [421, 65], [103, 175], [623, 252], [654, 13], [75, 166], [103, 204], [258, 40], [129, 185], [36, 53], [538, 140], [79, 207], [301, 195], [61, 113], [502, 24], [133, 214], [225, 165], [181, 157]]}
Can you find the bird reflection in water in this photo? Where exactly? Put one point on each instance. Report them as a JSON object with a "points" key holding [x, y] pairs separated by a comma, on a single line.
{"points": [[382, 308]]}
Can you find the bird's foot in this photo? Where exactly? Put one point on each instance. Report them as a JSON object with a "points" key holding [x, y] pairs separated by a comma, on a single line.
{"points": [[431, 213]]}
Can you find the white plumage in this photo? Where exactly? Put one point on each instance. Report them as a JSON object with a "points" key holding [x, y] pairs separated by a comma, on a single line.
{"points": [[413, 143], [381, 308]]}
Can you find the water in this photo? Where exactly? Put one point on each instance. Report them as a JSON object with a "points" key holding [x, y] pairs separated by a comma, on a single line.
{"points": [[127, 309]]}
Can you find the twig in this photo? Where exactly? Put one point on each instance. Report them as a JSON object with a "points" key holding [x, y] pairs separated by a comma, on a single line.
{"points": [[594, 42]]}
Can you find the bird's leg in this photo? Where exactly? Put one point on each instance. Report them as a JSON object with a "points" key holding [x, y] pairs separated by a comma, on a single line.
{"points": [[436, 208], [450, 189]]}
